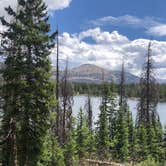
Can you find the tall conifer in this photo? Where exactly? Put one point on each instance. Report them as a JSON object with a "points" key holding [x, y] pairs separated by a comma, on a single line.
{"points": [[102, 134], [27, 91], [82, 136]]}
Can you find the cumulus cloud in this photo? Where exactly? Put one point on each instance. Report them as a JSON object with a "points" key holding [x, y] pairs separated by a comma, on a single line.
{"points": [[151, 25], [108, 49], [103, 37]]}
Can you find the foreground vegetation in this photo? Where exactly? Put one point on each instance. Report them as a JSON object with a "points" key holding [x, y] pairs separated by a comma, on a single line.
{"points": [[38, 127]]}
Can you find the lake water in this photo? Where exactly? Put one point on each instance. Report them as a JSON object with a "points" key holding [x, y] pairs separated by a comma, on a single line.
{"points": [[79, 101]]}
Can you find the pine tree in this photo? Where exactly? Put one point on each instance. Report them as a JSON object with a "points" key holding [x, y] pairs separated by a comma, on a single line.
{"points": [[112, 119], [82, 136], [152, 147], [102, 133], [123, 124], [141, 143], [134, 148], [131, 132], [27, 91], [91, 144], [70, 148], [88, 107], [52, 153], [121, 138], [156, 149]]}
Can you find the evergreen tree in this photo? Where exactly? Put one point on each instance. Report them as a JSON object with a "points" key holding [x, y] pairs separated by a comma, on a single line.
{"points": [[27, 91], [52, 152], [123, 123], [152, 146], [157, 151], [102, 133], [134, 148], [82, 136], [131, 132], [141, 143], [112, 119], [88, 107], [70, 148], [91, 144], [112, 112], [121, 137]]}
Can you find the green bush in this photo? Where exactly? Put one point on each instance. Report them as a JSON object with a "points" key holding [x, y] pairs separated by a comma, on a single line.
{"points": [[150, 162]]}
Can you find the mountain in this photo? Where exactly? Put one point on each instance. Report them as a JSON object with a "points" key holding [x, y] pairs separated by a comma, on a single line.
{"points": [[94, 74], [89, 73]]}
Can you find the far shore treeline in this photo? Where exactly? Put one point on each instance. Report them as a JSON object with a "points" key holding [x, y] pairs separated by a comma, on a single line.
{"points": [[132, 90]]}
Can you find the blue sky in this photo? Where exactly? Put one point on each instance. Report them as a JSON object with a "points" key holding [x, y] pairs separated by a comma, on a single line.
{"points": [[102, 32], [78, 15]]}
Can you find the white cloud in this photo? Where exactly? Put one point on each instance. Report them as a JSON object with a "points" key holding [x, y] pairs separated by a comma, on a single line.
{"points": [[159, 30], [57, 4], [103, 37], [151, 25], [108, 49], [126, 20]]}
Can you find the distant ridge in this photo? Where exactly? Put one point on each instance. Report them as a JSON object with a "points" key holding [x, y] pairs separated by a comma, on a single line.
{"points": [[89, 73]]}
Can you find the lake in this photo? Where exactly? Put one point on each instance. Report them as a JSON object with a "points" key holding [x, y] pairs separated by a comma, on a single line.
{"points": [[79, 101]]}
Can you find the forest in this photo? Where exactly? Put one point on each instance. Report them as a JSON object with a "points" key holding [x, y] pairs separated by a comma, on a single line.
{"points": [[37, 126], [132, 90]]}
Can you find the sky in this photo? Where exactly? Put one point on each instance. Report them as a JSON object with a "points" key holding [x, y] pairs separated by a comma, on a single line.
{"points": [[102, 32]]}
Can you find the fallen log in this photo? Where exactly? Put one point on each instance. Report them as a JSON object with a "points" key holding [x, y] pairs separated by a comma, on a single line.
{"points": [[99, 162]]}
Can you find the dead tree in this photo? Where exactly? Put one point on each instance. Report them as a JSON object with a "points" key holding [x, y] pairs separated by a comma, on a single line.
{"points": [[149, 94], [65, 105], [57, 85], [122, 95]]}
